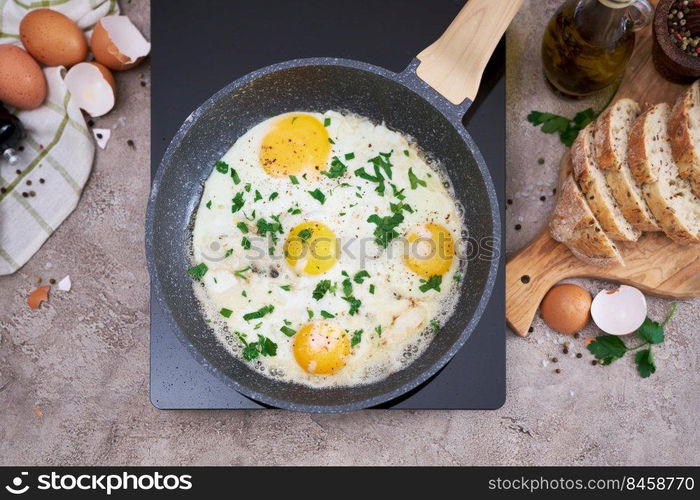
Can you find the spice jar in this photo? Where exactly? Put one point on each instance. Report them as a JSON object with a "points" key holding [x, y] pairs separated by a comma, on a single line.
{"points": [[588, 43], [11, 134]]}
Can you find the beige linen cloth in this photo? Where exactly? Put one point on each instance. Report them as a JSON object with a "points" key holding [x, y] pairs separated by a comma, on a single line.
{"points": [[44, 186]]}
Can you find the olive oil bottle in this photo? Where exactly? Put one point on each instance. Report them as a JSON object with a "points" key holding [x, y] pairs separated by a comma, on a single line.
{"points": [[588, 43]]}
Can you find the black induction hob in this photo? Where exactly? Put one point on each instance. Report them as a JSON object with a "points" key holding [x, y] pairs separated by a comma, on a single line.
{"points": [[197, 51]]}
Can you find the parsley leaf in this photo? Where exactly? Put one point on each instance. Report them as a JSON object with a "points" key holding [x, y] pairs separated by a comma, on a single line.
{"points": [[326, 121], [286, 288], [226, 313], [258, 196], [356, 338], [321, 288], [432, 283], [567, 128], [240, 272], [435, 324], [234, 176], [237, 203], [270, 228], [305, 234], [371, 289], [349, 156], [209, 204], [354, 304], [386, 228], [360, 276], [645, 363], [415, 181], [318, 195], [243, 227], [337, 169], [651, 331], [273, 196], [405, 151], [381, 161], [263, 346], [221, 166], [326, 314], [228, 253], [245, 243], [378, 329], [260, 313], [607, 348], [198, 271], [288, 331], [293, 179]]}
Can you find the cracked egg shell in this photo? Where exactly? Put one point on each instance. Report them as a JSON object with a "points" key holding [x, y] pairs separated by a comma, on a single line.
{"points": [[566, 308], [93, 88], [118, 44], [619, 311]]}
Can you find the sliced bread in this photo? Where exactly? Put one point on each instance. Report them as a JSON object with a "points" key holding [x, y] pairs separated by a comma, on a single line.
{"points": [[611, 134], [684, 130], [668, 195], [574, 225], [594, 186]]}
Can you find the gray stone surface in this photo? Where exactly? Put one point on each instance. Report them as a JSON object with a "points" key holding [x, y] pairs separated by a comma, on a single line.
{"points": [[74, 374]]}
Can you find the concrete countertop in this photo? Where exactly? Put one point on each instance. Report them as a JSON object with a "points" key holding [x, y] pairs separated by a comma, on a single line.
{"points": [[74, 374]]}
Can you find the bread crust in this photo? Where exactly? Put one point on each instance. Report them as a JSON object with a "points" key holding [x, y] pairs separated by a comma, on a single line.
{"points": [[609, 216], [644, 173], [606, 156], [574, 225], [685, 152]]}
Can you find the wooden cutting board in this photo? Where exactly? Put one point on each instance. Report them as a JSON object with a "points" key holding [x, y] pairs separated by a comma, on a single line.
{"points": [[654, 264]]}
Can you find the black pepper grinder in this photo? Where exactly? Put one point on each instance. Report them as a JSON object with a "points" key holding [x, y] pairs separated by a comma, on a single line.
{"points": [[11, 135]]}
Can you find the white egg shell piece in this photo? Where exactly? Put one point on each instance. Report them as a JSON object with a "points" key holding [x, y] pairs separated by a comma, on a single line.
{"points": [[90, 90], [619, 311]]}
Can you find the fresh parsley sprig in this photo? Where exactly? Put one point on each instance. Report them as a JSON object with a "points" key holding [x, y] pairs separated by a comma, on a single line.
{"points": [[609, 348], [567, 128]]}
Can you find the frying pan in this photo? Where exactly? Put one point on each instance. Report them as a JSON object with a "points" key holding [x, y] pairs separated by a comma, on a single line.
{"points": [[426, 101]]}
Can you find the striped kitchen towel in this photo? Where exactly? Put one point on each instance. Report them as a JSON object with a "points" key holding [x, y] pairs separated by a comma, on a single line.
{"points": [[39, 191]]}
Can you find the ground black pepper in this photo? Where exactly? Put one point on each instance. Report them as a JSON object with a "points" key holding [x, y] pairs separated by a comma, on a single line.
{"points": [[52, 281], [594, 362], [579, 355], [518, 227]]}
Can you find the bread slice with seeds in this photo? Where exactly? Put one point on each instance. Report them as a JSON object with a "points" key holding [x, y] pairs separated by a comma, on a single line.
{"points": [[611, 138], [574, 225], [684, 130], [593, 184], [669, 196]]}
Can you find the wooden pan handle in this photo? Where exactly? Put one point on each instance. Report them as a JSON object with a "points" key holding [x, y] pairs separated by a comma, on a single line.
{"points": [[529, 276], [453, 65]]}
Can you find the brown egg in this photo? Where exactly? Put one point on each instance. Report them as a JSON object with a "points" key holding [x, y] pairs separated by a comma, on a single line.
{"points": [[566, 308], [118, 44], [22, 83], [52, 38]]}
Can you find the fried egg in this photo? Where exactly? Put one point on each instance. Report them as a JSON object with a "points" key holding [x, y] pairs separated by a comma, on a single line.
{"points": [[326, 249]]}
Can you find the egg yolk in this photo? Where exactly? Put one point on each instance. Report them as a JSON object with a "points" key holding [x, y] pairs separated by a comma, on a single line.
{"points": [[311, 248], [321, 347], [430, 250], [296, 144]]}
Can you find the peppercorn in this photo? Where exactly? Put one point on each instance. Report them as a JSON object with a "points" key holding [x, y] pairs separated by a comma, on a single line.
{"points": [[579, 355]]}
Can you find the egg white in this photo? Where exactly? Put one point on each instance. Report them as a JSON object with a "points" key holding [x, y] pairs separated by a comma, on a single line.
{"points": [[406, 315]]}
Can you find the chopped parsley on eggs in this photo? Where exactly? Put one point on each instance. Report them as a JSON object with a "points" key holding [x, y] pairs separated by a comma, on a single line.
{"points": [[337, 258]]}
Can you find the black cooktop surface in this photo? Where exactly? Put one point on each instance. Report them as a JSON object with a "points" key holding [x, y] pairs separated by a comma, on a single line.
{"points": [[197, 51]]}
